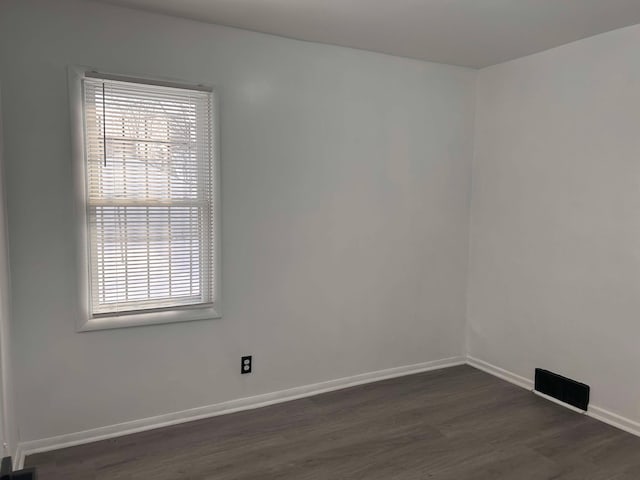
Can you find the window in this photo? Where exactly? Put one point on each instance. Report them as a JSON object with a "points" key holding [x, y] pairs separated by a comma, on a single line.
{"points": [[150, 176]]}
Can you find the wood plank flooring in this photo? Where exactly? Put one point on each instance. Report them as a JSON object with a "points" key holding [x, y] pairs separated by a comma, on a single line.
{"points": [[454, 424]]}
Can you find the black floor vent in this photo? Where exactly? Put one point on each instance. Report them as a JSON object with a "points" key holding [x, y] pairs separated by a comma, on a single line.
{"points": [[8, 473], [562, 388]]}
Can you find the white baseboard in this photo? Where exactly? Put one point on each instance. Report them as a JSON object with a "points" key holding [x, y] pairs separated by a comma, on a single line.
{"points": [[135, 426], [614, 420], [18, 458], [599, 413], [500, 373]]}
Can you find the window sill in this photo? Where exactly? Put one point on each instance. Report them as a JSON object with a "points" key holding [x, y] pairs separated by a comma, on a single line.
{"points": [[188, 314]]}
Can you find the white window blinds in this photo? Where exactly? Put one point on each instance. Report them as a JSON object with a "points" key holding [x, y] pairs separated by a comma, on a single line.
{"points": [[149, 189]]}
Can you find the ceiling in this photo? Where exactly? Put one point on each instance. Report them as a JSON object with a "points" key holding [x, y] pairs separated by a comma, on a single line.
{"points": [[471, 33]]}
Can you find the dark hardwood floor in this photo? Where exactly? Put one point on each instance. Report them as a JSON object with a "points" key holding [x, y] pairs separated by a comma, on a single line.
{"points": [[458, 423]]}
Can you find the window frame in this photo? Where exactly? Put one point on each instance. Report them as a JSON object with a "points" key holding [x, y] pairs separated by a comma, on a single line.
{"points": [[86, 319]]}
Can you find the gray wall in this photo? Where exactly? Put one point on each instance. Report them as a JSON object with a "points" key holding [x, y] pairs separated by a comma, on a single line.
{"points": [[554, 276], [345, 177]]}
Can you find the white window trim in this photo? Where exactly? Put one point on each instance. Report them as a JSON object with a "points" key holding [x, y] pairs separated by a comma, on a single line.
{"points": [[86, 321]]}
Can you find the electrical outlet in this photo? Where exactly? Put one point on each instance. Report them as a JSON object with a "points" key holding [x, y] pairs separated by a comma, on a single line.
{"points": [[246, 364]]}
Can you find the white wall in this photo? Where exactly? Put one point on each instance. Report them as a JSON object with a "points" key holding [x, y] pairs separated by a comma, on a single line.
{"points": [[345, 178], [555, 240]]}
